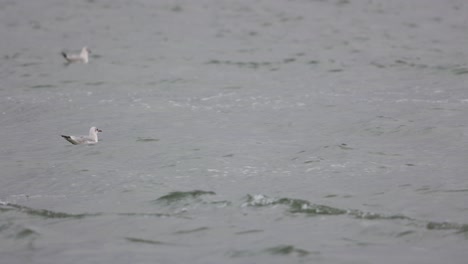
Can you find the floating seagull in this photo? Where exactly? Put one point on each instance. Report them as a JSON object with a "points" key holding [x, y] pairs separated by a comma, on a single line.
{"points": [[82, 57], [91, 139]]}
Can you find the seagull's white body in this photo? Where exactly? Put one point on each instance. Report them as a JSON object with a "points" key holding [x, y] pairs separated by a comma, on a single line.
{"points": [[92, 138], [82, 57]]}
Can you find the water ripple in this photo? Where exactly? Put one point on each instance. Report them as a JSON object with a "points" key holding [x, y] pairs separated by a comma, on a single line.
{"points": [[178, 196], [42, 212], [298, 206]]}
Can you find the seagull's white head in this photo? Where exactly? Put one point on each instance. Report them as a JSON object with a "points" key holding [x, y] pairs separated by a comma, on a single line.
{"points": [[93, 131], [85, 49]]}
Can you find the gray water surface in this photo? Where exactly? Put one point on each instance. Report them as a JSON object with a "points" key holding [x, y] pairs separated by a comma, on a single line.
{"points": [[266, 131]]}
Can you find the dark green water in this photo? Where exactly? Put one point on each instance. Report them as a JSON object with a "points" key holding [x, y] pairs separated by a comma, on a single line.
{"points": [[262, 131]]}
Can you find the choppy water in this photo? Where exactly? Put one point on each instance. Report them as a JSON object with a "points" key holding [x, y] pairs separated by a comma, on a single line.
{"points": [[262, 131]]}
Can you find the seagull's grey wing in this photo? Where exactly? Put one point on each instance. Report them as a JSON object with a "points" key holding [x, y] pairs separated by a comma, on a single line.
{"points": [[70, 139], [72, 57], [75, 140]]}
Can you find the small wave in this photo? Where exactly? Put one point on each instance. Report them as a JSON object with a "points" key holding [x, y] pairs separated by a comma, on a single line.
{"points": [[146, 241], [376, 216], [191, 230], [27, 64], [287, 250], [42, 212], [302, 206], [404, 233], [241, 64], [145, 214], [43, 86], [178, 196], [48, 214], [298, 206], [460, 71], [295, 205], [94, 83], [251, 231], [255, 64], [456, 190], [26, 233], [11, 230], [259, 200], [461, 228], [143, 139]]}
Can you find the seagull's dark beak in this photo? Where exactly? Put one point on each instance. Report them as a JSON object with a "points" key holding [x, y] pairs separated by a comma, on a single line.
{"points": [[98, 130]]}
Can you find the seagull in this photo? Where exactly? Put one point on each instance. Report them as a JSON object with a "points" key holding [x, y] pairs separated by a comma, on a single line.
{"points": [[91, 139], [82, 57]]}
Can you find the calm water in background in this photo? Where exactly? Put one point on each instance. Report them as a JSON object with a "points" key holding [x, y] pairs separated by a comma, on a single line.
{"points": [[262, 131]]}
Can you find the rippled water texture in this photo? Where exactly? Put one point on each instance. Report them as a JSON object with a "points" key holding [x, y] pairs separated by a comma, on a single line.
{"points": [[269, 131]]}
